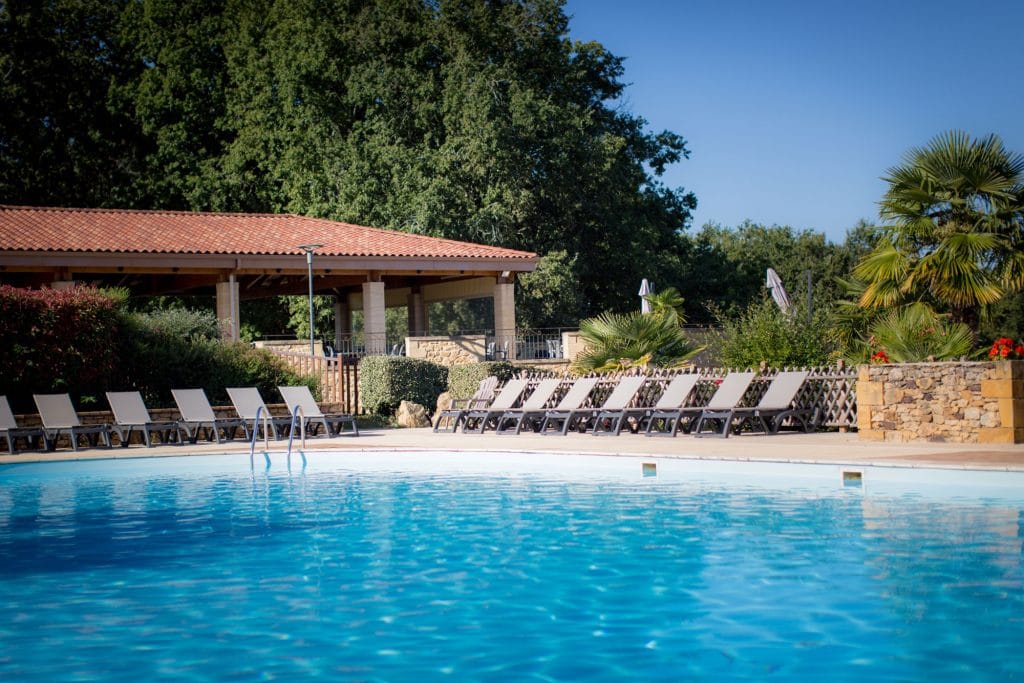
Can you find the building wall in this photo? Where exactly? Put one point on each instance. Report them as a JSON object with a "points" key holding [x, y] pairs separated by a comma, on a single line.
{"points": [[954, 402]]}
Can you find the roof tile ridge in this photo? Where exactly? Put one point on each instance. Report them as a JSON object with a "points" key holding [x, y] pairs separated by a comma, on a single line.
{"points": [[178, 212], [411, 234]]}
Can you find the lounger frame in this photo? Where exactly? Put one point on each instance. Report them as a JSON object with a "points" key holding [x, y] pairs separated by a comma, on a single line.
{"points": [[333, 423], [59, 417]]}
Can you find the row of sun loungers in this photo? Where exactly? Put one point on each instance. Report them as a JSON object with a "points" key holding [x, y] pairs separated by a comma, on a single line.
{"points": [[197, 419], [673, 411]]}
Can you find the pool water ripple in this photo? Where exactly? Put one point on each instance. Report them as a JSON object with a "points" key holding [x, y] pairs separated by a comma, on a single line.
{"points": [[329, 574]]}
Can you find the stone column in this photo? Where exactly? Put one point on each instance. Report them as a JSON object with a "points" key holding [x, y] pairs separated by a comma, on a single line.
{"points": [[505, 317], [417, 313], [1004, 384], [374, 331], [227, 308]]}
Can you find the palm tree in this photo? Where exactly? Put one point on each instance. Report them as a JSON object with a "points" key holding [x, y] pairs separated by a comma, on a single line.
{"points": [[615, 341], [956, 239], [915, 333], [667, 302]]}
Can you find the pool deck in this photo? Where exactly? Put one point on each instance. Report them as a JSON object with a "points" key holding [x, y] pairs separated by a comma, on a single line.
{"points": [[826, 448]]}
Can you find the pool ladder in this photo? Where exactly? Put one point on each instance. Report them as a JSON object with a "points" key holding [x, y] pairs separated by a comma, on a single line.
{"points": [[297, 414]]}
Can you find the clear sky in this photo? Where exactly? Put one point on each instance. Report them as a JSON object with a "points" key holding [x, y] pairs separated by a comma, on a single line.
{"points": [[793, 109]]}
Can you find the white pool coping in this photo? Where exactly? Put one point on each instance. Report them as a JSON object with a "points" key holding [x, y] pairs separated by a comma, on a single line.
{"points": [[832, 448]]}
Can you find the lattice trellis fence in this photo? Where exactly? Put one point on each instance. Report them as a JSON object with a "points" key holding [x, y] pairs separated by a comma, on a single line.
{"points": [[828, 392]]}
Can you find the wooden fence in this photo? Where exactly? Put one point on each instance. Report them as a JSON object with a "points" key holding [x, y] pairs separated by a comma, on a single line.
{"points": [[338, 377], [829, 391]]}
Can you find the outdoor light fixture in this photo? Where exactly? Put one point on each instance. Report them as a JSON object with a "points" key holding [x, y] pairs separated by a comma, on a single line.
{"points": [[309, 249]]}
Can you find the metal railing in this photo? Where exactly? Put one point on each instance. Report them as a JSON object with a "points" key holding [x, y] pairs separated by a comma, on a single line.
{"points": [[530, 343], [361, 344]]}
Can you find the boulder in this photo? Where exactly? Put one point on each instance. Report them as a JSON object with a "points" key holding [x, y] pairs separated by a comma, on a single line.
{"points": [[444, 402], [411, 415]]}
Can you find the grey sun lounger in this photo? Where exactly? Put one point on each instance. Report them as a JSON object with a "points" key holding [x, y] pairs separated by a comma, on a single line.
{"points": [[197, 416], [131, 415], [774, 407], [562, 416], [612, 414], [9, 430], [728, 395], [480, 399], [675, 397], [59, 417], [248, 402], [512, 421], [332, 422], [507, 397]]}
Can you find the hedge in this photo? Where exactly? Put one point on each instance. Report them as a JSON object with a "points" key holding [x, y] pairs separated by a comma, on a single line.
{"points": [[80, 341], [386, 381], [57, 341], [463, 380]]}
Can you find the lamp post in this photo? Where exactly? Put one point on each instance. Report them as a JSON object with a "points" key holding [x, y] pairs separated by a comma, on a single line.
{"points": [[309, 249]]}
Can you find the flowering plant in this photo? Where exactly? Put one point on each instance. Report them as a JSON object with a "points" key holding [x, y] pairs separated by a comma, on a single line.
{"points": [[1006, 348], [880, 357]]}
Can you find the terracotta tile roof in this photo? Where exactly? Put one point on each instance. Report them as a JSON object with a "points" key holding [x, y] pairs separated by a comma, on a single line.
{"points": [[27, 228]]}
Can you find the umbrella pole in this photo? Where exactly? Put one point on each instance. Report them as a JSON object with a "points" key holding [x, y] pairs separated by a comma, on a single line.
{"points": [[809, 281]]}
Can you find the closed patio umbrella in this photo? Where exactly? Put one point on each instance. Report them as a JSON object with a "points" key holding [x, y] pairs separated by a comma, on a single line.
{"points": [[645, 289], [774, 283]]}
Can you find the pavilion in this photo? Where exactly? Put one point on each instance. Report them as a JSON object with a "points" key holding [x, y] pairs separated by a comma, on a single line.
{"points": [[238, 256]]}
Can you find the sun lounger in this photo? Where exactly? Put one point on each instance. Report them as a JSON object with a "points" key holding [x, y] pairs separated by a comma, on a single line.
{"points": [[728, 395], [774, 407], [248, 403], [130, 414], [9, 430], [675, 397], [332, 422], [612, 414], [197, 414], [59, 417], [481, 399], [512, 421], [507, 397], [562, 416]]}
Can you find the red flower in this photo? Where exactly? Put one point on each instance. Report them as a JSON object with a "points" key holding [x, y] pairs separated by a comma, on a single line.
{"points": [[1004, 347]]}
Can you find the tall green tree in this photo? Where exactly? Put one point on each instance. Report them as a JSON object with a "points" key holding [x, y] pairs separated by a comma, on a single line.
{"points": [[956, 238], [724, 268], [62, 142]]}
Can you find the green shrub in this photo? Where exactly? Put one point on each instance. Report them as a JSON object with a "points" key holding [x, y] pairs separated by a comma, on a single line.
{"points": [[463, 380], [386, 381], [178, 348], [764, 333]]}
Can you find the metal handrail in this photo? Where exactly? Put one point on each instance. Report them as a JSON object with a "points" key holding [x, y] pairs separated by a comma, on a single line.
{"points": [[302, 431], [256, 433]]}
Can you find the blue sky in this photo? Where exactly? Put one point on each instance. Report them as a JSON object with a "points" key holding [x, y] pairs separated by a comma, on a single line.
{"points": [[793, 110]]}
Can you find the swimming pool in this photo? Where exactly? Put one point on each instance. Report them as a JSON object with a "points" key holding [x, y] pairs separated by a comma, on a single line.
{"points": [[373, 566]]}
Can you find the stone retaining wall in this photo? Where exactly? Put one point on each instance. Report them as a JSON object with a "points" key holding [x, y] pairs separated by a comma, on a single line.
{"points": [[447, 351], [955, 402]]}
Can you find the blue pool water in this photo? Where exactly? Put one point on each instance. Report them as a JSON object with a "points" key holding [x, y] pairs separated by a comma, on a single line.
{"points": [[200, 569]]}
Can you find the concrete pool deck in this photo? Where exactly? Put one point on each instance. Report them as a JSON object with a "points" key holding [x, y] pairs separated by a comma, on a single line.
{"points": [[824, 448]]}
